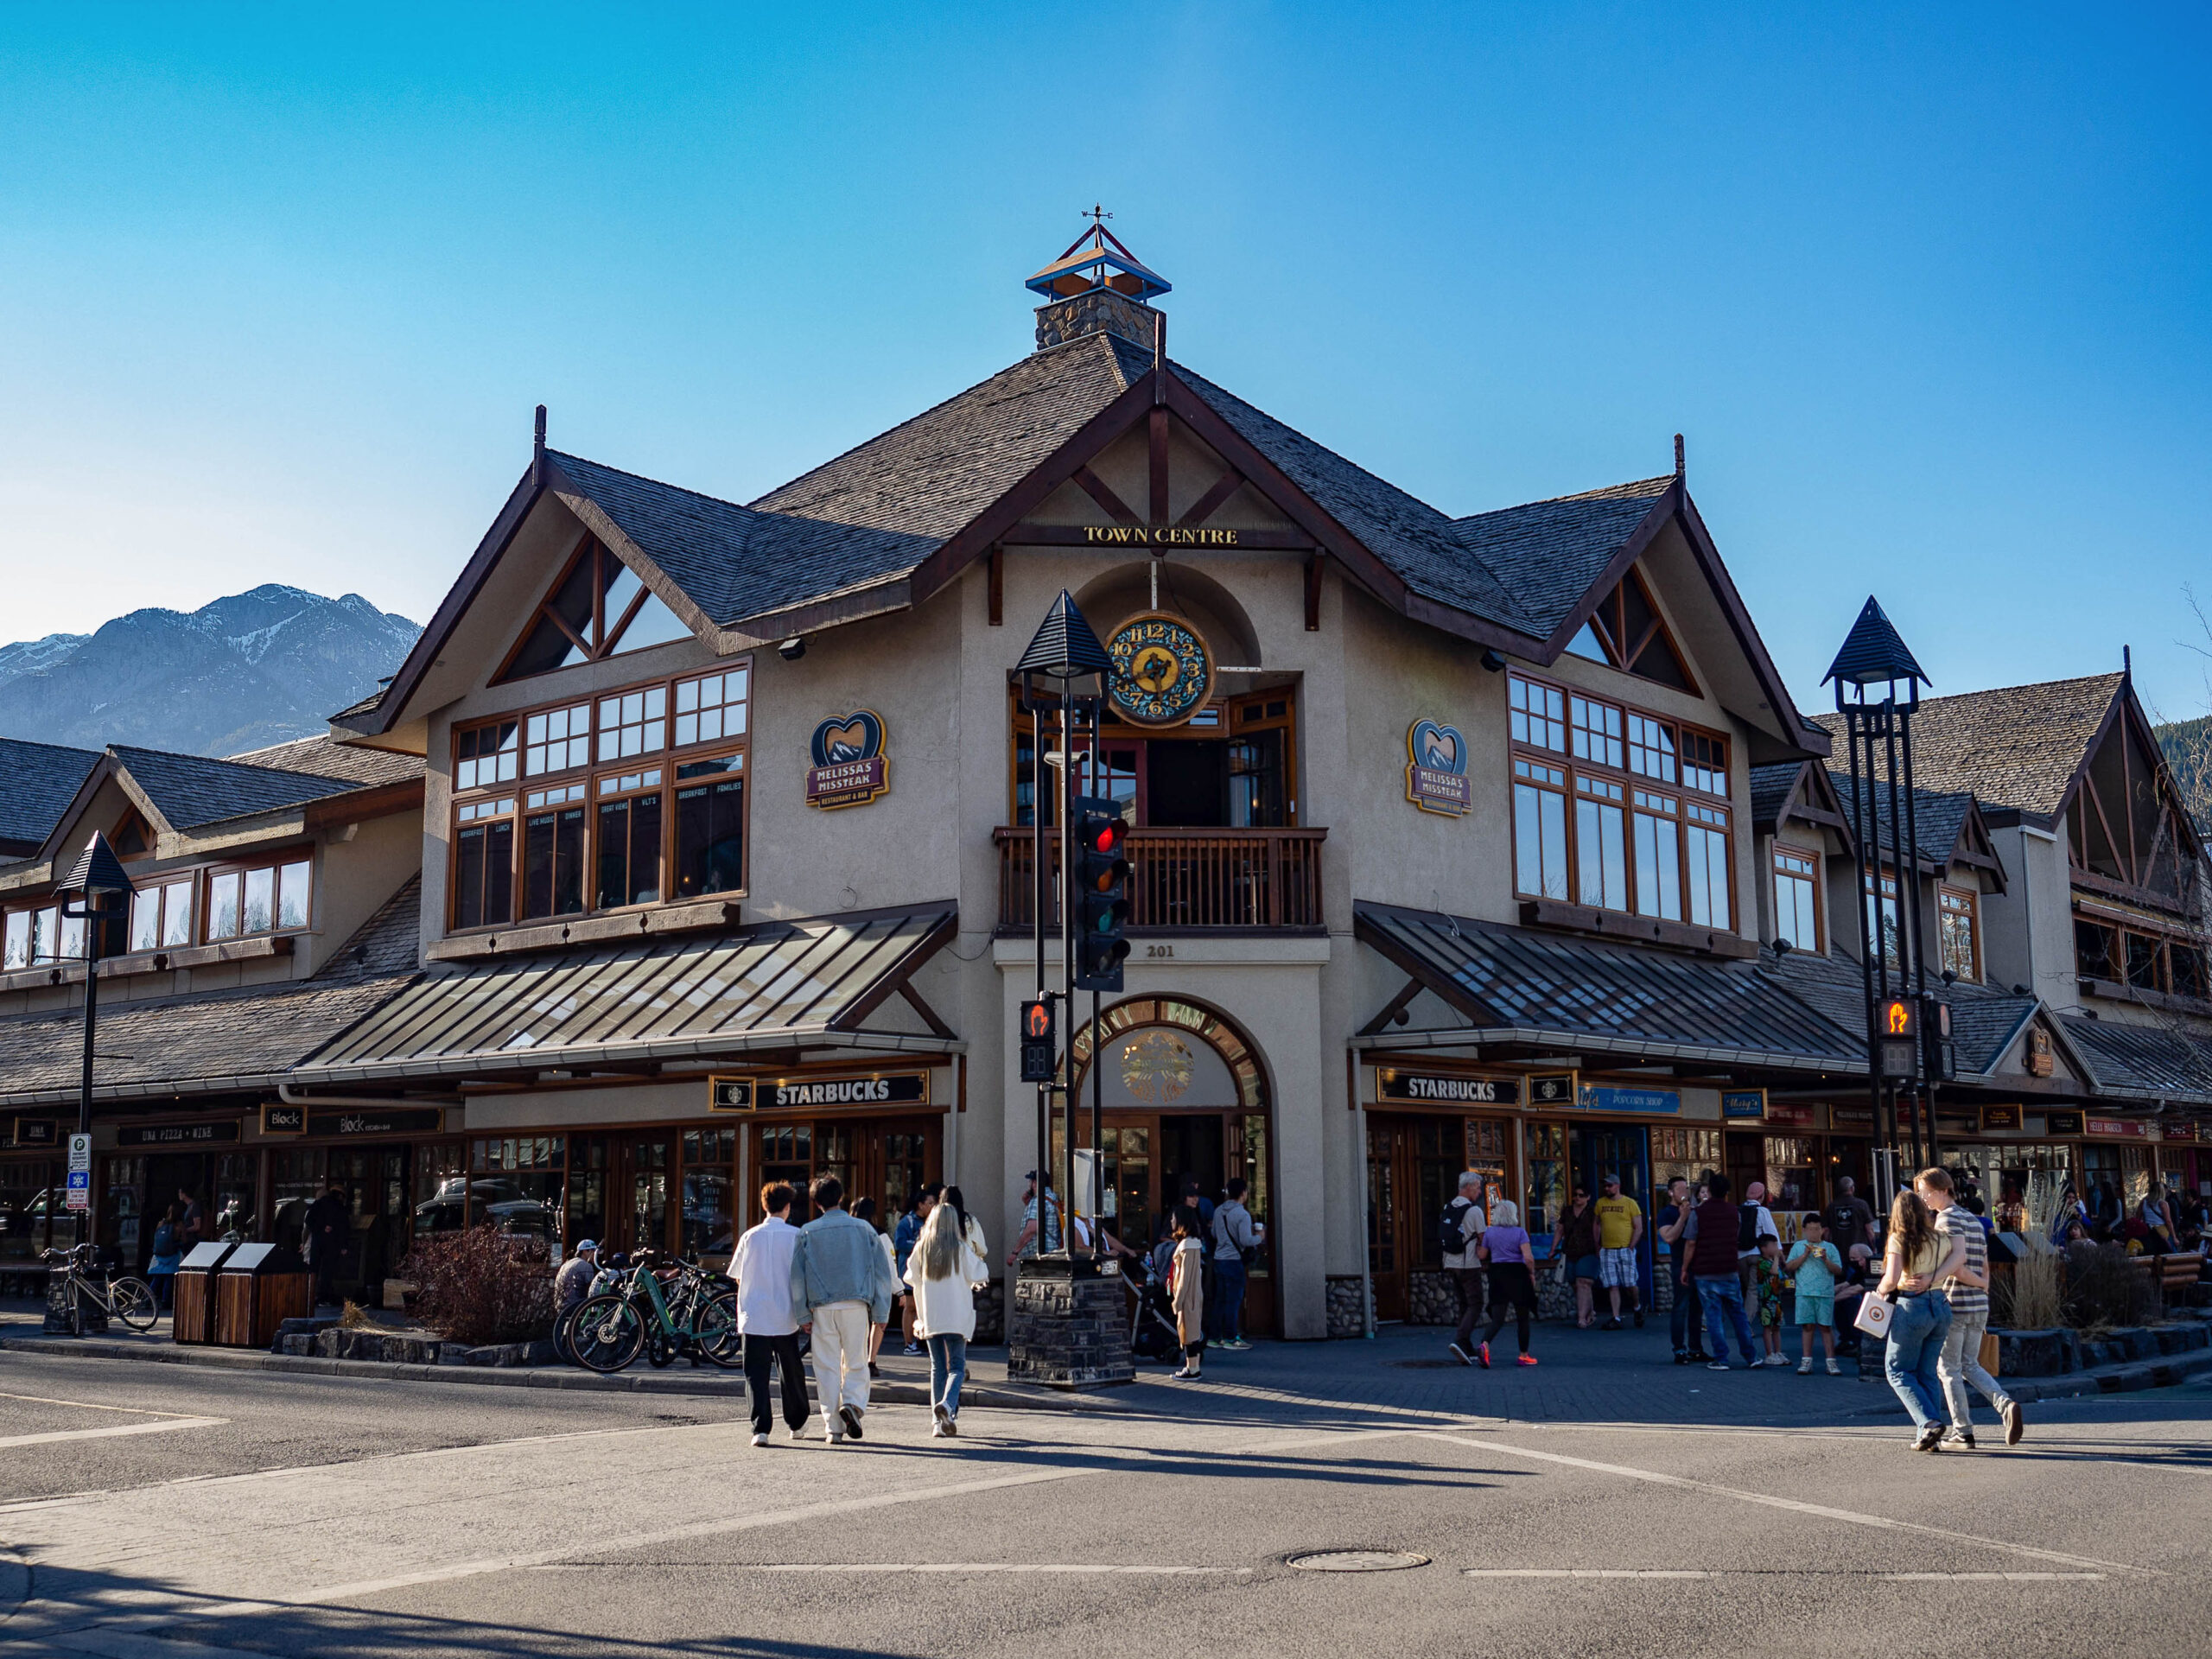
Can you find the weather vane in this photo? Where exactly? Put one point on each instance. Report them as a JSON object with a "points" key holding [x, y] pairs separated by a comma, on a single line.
{"points": [[1096, 213]]}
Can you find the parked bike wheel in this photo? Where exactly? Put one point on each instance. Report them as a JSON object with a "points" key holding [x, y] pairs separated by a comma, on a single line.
{"points": [[606, 1335], [718, 1335], [134, 1303]]}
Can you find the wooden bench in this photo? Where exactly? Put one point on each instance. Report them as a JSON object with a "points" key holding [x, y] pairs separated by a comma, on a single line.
{"points": [[2177, 1275]]}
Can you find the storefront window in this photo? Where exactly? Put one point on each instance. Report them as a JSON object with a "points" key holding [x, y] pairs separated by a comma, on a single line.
{"points": [[787, 1156], [237, 1194], [28, 1193], [515, 1183], [1547, 1189], [2102, 1189], [710, 1163], [441, 1189], [1789, 1189], [1256, 1175], [588, 1190], [295, 1182], [123, 1193], [1128, 1185]]}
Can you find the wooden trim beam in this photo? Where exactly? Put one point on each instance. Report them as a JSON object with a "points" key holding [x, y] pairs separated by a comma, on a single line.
{"points": [[1396, 1006], [1103, 492], [1215, 499], [994, 585], [1313, 593], [938, 1027], [1156, 460]]}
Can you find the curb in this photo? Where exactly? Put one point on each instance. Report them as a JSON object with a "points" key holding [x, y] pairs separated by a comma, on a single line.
{"points": [[2078, 1385], [727, 1384]]}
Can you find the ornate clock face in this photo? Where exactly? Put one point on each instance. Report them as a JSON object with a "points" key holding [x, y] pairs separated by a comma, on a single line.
{"points": [[1162, 670]]}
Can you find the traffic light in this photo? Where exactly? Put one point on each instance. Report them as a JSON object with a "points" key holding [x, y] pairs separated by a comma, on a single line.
{"points": [[1039, 1051], [1101, 890], [1897, 1036], [1940, 1054]]}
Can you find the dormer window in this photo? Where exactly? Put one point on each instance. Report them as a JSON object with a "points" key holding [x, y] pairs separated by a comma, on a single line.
{"points": [[598, 608], [134, 836]]}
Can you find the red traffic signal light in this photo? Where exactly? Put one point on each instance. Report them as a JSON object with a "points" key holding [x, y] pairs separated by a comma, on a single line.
{"points": [[1101, 878]]}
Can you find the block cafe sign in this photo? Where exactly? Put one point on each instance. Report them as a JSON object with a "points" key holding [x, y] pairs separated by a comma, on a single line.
{"points": [[1436, 769], [1447, 1091], [851, 768], [818, 1092], [277, 1118]]}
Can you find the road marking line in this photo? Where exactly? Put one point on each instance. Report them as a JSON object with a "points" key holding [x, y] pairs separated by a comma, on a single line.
{"points": [[1821, 1510], [52, 1435], [1585, 1573], [1778, 1572], [900, 1566], [87, 1405], [1990, 1578]]}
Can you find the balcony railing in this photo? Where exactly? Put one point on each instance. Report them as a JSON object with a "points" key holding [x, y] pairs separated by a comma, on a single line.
{"points": [[1186, 879]]}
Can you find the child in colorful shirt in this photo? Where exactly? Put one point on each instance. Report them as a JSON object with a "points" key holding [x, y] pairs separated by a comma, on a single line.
{"points": [[1814, 1263], [1766, 1291]]}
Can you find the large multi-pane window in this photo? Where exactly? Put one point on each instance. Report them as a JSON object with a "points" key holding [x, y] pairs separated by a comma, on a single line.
{"points": [[640, 822], [171, 912], [1882, 918], [1796, 898], [2142, 961], [1606, 808]]}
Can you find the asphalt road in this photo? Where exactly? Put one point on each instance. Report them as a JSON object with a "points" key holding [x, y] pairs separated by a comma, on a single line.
{"points": [[192, 1513]]}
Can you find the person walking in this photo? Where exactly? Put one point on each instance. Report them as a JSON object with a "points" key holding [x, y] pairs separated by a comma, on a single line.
{"points": [[1712, 1232], [1915, 1258], [329, 1218], [1186, 1290], [1461, 1226], [1966, 1291], [1620, 1234], [840, 1283], [1757, 1235], [1687, 1319], [767, 1320], [160, 1268], [864, 1209], [1027, 1243], [1812, 1264], [1511, 1260], [1235, 1237], [903, 1239], [191, 1222], [944, 1271], [1575, 1239]]}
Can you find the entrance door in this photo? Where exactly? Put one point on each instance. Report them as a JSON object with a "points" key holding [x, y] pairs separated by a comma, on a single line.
{"points": [[1746, 1162], [166, 1174], [644, 1166], [1601, 1150], [375, 1184], [1413, 1172]]}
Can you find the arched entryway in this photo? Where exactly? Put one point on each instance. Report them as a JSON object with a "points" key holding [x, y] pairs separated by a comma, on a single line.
{"points": [[1183, 1095]]}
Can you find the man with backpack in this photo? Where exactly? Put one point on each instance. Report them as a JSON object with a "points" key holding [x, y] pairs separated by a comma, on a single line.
{"points": [[1756, 1235], [1713, 1232], [1460, 1229]]}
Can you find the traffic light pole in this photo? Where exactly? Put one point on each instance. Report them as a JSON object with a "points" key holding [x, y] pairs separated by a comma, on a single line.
{"points": [[1067, 965]]}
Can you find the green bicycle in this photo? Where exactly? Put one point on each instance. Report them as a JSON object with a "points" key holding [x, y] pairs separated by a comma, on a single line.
{"points": [[693, 1315]]}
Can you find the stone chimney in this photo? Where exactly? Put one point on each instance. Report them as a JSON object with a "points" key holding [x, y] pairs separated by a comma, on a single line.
{"points": [[1098, 311], [1097, 287]]}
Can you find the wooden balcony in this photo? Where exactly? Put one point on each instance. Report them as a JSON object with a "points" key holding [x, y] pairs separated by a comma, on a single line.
{"points": [[1185, 881]]}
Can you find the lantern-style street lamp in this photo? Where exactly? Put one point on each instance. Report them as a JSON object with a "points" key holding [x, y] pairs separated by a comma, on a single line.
{"points": [[104, 890]]}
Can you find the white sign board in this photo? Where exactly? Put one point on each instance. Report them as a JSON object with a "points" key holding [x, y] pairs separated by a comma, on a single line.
{"points": [[80, 1153]]}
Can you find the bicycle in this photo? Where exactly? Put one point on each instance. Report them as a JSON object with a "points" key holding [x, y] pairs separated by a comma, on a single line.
{"points": [[122, 1297], [694, 1319]]}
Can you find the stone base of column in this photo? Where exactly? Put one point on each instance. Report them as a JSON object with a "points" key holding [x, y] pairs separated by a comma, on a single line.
{"points": [[1067, 1326]]}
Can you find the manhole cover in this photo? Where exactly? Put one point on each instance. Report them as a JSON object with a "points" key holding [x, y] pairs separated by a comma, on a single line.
{"points": [[1357, 1560]]}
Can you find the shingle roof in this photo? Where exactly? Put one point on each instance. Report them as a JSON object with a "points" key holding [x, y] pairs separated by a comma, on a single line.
{"points": [[2144, 1062], [37, 782], [2017, 746], [735, 562], [1548, 553], [931, 475], [215, 1042], [1939, 817], [191, 790], [1520, 985], [320, 757], [1770, 790], [1984, 1024]]}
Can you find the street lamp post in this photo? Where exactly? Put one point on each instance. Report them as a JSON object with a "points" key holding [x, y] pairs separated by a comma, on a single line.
{"points": [[105, 890]]}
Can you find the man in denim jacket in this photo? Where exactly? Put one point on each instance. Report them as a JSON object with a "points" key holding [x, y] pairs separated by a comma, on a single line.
{"points": [[841, 1282]]}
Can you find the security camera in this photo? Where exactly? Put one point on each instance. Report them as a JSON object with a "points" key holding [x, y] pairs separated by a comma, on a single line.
{"points": [[1492, 661], [1782, 947], [792, 649]]}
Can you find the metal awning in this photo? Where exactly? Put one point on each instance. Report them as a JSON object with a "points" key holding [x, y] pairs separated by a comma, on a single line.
{"points": [[775, 985], [1520, 988]]}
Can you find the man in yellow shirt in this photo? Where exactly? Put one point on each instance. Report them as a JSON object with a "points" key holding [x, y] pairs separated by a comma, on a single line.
{"points": [[1620, 1229]]}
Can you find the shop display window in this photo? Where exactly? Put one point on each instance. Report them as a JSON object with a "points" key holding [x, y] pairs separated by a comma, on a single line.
{"points": [[1546, 1183], [515, 1183], [709, 1173], [31, 1192]]}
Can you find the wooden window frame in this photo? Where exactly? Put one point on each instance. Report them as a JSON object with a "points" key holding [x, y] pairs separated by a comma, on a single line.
{"points": [[667, 760], [605, 638], [1565, 759], [204, 875], [1971, 904], [1230, 727], [1608, 623], [1781, 850]]}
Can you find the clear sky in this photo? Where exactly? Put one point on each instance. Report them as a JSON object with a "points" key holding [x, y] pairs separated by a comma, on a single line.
{"points": [[1926, 288]]}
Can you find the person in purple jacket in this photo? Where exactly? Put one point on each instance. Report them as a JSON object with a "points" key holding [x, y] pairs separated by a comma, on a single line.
{"points": [[1512, 1263]]}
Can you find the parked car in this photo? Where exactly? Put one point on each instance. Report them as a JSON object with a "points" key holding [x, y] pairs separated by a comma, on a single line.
{"points": [[488, 1198]]}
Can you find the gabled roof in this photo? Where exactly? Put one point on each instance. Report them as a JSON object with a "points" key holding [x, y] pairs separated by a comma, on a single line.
{"points": [[894, 519], [37, 783], [1796, 788], [2017, 746], [2142, 1062], [1948, 825], [322, 758], [190, 791]]}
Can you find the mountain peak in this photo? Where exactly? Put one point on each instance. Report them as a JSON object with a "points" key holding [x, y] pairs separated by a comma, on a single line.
{"points": [[243, 671]]}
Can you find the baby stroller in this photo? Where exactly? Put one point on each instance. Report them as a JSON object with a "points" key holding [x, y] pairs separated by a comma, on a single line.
{"points": [[1152, 1325]]}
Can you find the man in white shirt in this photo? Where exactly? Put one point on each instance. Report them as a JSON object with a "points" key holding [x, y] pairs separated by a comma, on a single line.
{"points": [[765, 1320], [1756, 1235]]}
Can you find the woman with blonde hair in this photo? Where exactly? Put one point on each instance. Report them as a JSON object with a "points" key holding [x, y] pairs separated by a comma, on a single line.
{"points": [[944, 1268], [1916, 1256]]}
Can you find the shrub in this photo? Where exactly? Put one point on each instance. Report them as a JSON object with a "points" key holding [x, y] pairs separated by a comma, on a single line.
{"points": [[2029, 1297], [479, 1287], [2104, 1288]]}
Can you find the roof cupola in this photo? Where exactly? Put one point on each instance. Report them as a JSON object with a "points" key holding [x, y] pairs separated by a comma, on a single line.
{"points": [[1097, 287]]}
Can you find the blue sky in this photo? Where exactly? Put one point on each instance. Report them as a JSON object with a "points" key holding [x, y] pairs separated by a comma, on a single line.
{"points": [[1926, 288]]}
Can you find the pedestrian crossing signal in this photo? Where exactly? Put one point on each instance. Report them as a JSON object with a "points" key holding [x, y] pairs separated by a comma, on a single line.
{"points": [[1040, 1057]]}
